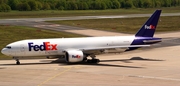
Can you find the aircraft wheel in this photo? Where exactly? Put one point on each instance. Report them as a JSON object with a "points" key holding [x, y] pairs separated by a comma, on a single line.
{"points": [[89, 61], [96, 60], [18, 63], [85, 59], [93, 61]]}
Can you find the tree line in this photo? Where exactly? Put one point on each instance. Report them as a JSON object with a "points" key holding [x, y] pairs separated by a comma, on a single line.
{"points": [[30, 5]]}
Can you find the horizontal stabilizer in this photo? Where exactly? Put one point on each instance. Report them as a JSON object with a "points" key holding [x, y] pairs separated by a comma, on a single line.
{"points": [[151, 41]]}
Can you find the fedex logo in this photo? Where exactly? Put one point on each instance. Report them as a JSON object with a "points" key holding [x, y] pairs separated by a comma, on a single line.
{"points": [[43, 47], [76, 56], [149, 27]]}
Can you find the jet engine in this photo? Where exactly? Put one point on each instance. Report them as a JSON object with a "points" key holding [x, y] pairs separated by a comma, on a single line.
{"points": [[74, 56]]}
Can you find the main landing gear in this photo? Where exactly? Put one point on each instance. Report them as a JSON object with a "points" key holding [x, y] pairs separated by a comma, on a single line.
{"points": [[93, 60], [17, 60]]}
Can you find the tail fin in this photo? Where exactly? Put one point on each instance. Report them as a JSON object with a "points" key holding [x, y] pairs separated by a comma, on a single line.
{"points": [[148, 29]]}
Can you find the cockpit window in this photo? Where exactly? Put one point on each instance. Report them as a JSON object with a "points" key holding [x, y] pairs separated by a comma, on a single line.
{"points": [[9, 47]]}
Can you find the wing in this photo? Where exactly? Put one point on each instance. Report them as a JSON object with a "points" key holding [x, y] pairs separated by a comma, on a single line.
{"points": [[111, 47]]}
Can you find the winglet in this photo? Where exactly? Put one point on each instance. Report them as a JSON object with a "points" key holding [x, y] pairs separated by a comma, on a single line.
{"points": [[148, 29]]}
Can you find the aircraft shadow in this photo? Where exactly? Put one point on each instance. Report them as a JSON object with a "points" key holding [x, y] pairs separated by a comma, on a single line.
{"points": [[109, 65], [61, 62], [28, 64], [122, 60], [2, 68]]}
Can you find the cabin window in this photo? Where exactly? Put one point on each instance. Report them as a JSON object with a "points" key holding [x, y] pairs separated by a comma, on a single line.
{"points": [[9, 47]]}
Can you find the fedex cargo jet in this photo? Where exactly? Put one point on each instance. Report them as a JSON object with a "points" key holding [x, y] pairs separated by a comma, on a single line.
{"points": [[78, 49]]}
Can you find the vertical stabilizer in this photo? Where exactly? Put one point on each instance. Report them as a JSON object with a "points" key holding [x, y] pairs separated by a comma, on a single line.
{"points": [[148, 29]]}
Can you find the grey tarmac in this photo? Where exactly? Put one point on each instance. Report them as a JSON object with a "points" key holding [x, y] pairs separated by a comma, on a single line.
{"points": [[150, 67], [157, 65], [39, 23]]}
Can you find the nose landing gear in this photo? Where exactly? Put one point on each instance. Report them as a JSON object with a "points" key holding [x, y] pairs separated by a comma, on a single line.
{"points": [[17, 60]]}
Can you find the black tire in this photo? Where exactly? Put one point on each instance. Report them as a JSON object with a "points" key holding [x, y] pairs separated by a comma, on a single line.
{"points": [[96, 60], [18, 63], [93, 61], [89, 61], [85, 59]]}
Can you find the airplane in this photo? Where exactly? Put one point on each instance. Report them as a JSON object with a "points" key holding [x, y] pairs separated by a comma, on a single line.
{"points": [[78, 49]]}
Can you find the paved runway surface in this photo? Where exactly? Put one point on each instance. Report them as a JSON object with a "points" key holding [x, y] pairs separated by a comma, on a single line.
{"points": [[39, 22], [153, 67], [87, 17], [157, 65]]}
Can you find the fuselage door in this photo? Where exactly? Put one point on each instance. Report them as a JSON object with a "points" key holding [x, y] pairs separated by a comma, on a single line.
{"points": [[22, 49]]}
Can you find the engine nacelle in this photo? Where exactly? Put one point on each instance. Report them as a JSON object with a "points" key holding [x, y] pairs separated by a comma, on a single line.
{"points": [[74, 56]]}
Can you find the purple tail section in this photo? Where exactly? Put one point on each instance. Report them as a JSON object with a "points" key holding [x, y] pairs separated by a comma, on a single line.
{"points": [[145, 35], [148, 29]]}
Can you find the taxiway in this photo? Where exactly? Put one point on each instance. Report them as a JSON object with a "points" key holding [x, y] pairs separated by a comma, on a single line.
{"points": [[157, 65], [153, 66]]}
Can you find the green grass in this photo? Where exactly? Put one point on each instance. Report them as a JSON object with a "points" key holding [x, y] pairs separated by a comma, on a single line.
{"points": [[9, 34], [58, 13], [124, 25]]}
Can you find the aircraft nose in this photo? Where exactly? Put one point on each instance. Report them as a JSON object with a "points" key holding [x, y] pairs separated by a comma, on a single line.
{"points": [[4, 51]]}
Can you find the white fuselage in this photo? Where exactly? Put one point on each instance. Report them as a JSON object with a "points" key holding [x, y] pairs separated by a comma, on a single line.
{"points": [[56, 46]]}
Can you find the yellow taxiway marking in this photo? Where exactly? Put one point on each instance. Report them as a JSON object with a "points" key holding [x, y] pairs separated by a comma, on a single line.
{"points": [[54, 76]]}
